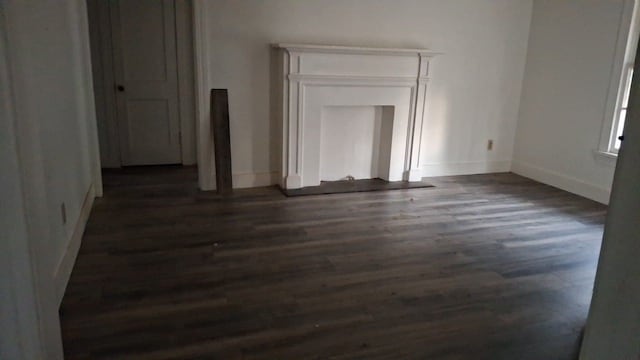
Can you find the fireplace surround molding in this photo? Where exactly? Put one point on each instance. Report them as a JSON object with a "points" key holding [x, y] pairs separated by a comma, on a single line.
{"points": [[317, 76]]}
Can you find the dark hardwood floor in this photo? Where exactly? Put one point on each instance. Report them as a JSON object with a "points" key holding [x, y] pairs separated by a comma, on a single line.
{"points": [[479, 267]]}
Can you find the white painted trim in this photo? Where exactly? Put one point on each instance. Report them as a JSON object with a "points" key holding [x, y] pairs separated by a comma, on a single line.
{"points": [[413, 174], [606, 155], [562, 181], [186, 101], [312, 77], [65, 265], [340, 49], [465, 168], [90, 107], [355, 80], [249, 180], [206, 168]]}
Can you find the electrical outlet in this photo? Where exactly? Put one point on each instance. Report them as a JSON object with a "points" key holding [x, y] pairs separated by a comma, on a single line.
{"points": [[490, 145], [63, 212]]}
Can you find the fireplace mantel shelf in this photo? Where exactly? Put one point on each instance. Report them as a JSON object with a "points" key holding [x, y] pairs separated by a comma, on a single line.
{"points": [[355, 49]]}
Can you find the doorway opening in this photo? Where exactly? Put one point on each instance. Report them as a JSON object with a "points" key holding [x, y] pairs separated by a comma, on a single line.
{"points": [[142, 63]]}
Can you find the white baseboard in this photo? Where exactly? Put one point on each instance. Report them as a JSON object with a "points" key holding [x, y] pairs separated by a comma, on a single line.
{"points": [[562, 181], [249, 180], [465, 168], [65, 266]]}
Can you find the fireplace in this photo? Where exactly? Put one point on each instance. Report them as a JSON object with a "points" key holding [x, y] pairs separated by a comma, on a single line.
{"points": [[318, 81]]}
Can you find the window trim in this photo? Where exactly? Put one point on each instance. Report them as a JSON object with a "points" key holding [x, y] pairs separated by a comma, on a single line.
{"points": [[625, 50], [625, 87]]}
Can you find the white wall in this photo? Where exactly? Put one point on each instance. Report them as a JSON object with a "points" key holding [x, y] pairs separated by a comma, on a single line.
{"points": [[52, 131], [473, 96], [19, 335], [566, 82]]}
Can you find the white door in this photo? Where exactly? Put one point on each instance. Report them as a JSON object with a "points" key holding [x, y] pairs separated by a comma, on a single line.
{"points": [[144, 51]]}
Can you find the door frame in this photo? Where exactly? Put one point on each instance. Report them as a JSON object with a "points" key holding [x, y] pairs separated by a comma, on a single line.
{"points": [[102, 60], [206, 163]]}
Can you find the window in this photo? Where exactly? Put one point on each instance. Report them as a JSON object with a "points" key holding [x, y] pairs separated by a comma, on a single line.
{"points": [[621, 111], [620, 83]]}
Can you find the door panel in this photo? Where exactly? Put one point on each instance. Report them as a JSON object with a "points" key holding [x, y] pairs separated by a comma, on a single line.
{"points": [[144, 48]]}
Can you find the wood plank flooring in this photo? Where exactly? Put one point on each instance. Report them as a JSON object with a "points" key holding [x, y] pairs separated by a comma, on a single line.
{"points": [[480, 267]]}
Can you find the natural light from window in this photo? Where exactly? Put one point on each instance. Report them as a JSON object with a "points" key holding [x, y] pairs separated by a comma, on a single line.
{"points": [[622, 110]]}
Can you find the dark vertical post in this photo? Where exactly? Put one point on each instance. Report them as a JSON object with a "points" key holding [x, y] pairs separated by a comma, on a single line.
{"points": [[221, 139]]}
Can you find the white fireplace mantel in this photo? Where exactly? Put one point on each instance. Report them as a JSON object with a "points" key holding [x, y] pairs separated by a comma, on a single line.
{"points": [[316, 76]]}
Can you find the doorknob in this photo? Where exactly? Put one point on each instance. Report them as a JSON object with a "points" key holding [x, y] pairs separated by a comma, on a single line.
{"points": [[120, 88]]}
